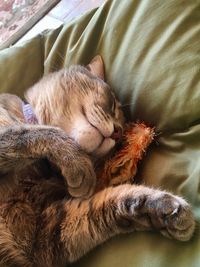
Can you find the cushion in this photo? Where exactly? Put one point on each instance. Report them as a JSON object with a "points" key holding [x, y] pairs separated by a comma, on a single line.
{"points": [[152, 58]]}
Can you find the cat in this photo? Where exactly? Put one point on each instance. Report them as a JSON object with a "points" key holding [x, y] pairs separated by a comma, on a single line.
{"points": [[49, 213]]}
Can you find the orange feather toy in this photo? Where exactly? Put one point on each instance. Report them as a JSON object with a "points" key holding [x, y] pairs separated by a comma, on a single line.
{"points": [[122, 167]]}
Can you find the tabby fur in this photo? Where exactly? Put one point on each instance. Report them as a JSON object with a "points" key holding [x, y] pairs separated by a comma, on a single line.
{"points": [[49, 214]]}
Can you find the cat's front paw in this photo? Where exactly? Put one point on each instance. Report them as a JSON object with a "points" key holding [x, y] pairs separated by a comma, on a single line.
{"points": [[80, 176], [169, 214], [175, 217], [74, 164]]}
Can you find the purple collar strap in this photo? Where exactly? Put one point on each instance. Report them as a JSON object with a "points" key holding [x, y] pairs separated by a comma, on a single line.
{"points": [[29, 114]]}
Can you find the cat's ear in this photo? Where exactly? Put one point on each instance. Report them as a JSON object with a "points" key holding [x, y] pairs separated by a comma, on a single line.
{"points": [[96, 67]]}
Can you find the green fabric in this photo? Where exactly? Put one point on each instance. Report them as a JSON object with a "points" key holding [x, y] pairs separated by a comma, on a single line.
{"points": [[151, 50]]}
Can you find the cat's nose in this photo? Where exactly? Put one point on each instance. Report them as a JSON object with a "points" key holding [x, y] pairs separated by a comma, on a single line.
{"points": [[117, 133]]}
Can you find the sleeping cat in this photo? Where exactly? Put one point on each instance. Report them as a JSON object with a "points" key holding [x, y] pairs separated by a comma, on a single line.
{"points": [[49, 215]]}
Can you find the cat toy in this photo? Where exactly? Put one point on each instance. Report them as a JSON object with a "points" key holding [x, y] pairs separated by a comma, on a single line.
{"points": [[122, 166]]}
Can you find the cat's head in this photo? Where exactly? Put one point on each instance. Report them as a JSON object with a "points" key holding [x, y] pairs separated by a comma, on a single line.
{"points": [[80, 102]]}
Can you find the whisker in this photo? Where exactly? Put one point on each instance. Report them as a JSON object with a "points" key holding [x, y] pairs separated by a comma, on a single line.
{"points": [[58, 61], [157, 143], [125, 105], [158, 133], [53, 68], [61, 57]]}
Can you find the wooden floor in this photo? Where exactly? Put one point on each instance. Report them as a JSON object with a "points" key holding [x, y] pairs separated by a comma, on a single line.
{"points": [[63, 12]]}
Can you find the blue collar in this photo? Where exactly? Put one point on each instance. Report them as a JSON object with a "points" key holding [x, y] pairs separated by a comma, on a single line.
{"points": [[29, 114]]}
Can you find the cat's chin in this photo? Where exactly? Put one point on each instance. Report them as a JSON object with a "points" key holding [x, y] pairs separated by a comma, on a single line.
{"points": [[105, 147]]}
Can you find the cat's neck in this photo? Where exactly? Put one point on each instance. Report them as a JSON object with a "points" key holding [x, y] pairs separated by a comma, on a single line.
{"points": [[40, 112]]}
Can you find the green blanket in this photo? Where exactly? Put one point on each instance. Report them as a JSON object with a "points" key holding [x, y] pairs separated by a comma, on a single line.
{"points": [[151, 50]]}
